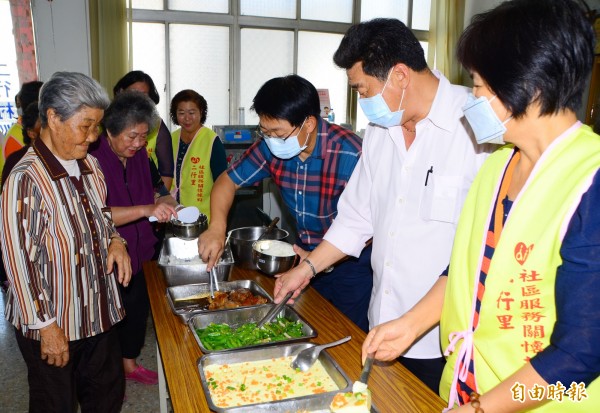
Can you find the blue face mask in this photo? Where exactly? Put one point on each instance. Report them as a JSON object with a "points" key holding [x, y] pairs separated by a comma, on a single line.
{"points": [[378, 112], [286, 148], [483, 120]]}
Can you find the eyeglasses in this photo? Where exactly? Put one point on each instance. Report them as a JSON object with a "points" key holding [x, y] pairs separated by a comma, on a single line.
{"points": [[265, 136]]}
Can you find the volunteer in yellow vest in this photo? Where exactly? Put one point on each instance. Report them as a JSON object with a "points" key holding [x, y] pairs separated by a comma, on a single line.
{"points": [[13, 140], [518, 311], [198, 152], [158, 143]]}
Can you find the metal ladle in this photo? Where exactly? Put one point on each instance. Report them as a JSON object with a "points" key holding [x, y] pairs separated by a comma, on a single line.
{"points": [[269, 228], [307, 357]]}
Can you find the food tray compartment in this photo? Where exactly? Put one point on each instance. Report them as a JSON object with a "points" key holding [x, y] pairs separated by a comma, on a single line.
{"points": [[181, 264], [238, 316], [333, 369], [176, 293]]}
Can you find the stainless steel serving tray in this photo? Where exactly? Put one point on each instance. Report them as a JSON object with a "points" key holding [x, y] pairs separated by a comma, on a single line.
{"points": [[318, 404], [238, 316], [318, 400], [181, 264], [181, 291]]}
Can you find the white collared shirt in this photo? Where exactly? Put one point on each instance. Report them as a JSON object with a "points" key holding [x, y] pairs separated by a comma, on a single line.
{"points": [[412, 224]]}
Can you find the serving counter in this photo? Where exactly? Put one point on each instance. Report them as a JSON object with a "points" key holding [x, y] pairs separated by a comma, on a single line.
{"points": [[394, 388]]}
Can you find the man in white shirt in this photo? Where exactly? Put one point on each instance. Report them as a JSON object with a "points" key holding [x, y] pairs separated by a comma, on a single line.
{"points": [[419, 159]]}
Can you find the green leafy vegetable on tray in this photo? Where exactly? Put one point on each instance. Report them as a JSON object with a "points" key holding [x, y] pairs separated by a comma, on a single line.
{"points": [[222, 336]]}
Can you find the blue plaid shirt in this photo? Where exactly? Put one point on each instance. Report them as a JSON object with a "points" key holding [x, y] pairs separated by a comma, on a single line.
{"points": [[309, 188]]}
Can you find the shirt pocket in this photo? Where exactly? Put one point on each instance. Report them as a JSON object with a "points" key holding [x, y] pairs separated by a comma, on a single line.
{"points": [[440, 198]]}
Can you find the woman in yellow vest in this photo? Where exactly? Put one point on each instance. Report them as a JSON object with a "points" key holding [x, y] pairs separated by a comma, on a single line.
{"points": [[158, 143], [14, 138], [198, 152], [519, 309]]}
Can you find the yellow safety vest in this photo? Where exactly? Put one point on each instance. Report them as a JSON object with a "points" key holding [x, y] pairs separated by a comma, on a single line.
{"points": [[196, 180], [518, 309], [13, 141], [151, 143]]}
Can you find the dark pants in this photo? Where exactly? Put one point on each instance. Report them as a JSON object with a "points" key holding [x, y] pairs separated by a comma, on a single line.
{"points": [[93, 377], [349, 287], [132, 330], [3, 276], [429, 371]]}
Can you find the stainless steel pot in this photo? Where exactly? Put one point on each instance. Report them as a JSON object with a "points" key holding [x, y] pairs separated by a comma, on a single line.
{"points": [[272, 264], [242, 239], [189, 231]]}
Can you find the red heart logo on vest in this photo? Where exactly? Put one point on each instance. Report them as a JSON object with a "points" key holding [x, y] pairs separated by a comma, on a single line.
{"points": [[195, 159], [522, 252]]}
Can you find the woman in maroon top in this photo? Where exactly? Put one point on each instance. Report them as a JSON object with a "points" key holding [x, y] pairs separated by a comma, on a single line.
{"points": [[123, 158]]}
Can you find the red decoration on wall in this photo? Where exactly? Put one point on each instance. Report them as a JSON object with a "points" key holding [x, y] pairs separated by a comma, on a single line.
{"points": [[24, 41]]}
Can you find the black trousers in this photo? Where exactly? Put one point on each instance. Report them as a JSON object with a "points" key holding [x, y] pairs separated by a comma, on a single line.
{"points": [[132, 330], [93, 376], [429, 371]]}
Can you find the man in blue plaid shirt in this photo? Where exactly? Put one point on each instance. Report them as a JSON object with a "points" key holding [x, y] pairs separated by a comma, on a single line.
{"points": [[310, 160]]}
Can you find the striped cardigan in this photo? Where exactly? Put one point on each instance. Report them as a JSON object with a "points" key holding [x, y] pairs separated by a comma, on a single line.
{"points": [[55, 236]]}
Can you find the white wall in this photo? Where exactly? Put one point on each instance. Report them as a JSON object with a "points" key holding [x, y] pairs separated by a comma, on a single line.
{"points": [[61, 30], [473, 7]]}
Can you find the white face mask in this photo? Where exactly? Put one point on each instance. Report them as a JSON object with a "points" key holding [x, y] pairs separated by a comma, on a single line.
{"points": [[286, 148], [378, 112], [486, 125]]}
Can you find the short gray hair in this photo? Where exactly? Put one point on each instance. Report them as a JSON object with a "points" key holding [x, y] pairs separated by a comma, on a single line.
{"points": [[68, 92], [130, 108]]}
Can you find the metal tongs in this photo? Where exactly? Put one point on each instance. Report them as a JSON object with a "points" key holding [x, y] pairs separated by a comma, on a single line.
{"points": [[276, 309], [213, 282]]}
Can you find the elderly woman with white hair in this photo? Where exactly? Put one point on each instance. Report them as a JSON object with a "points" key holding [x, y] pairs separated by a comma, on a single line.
{"points": [[64, 257]]}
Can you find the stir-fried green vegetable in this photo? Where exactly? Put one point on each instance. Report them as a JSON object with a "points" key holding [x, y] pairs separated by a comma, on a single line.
{"points": [[222, 336]]}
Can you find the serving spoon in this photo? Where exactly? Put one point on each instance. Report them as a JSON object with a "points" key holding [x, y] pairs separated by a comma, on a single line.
{"points": [[307, 357], [268, 230]]}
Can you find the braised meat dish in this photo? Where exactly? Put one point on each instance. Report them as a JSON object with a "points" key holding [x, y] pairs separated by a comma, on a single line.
{"points": [[242, 297]]}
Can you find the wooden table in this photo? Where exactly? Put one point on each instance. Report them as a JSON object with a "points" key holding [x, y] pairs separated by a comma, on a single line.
{"points": [[393, 387]]}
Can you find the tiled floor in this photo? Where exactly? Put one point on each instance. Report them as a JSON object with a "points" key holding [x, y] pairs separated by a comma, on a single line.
{"points": [[13, 374]]}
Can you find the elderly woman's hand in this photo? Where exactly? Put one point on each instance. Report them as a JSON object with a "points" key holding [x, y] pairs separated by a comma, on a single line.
{"points": [[54, 345], [117, 255], [161, 210]]}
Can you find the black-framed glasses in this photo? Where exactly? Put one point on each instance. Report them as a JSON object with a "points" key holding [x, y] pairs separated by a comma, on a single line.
{"points": [[265, 136]]}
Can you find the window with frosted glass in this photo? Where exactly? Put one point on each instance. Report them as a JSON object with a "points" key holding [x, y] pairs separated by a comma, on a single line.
{"points": [[285, 9], [149, 56], [199, 60], [396, 9], [330, 10], [315, 63], [265, 54], [207, 6], [421, 14], [147, 4]]}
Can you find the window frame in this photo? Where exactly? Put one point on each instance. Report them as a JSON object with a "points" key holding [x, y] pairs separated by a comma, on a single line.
{"points": [[236, 22]]}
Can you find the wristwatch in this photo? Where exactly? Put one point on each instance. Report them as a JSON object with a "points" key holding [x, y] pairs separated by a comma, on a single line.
{"points": [[120, 238]]}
